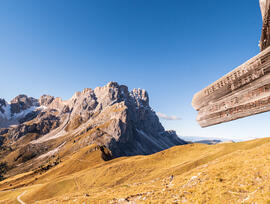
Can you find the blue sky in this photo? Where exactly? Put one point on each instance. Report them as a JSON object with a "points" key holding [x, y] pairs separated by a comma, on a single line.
{"points": [[171, 48]]}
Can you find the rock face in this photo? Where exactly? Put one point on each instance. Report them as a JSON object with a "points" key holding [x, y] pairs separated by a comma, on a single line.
{"points": [[19, 107], [22, 103], [109, 116]]}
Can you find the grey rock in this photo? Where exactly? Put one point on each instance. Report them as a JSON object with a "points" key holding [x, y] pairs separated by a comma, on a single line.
{"points": [[2, 104], [21, 103], [108, 116], [45, 100]]}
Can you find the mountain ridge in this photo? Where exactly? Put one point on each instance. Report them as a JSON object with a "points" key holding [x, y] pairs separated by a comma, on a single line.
{"points": [[35, 130]]}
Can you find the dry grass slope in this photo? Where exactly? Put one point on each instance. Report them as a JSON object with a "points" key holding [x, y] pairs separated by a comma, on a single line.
{"points": [[194, 173]]}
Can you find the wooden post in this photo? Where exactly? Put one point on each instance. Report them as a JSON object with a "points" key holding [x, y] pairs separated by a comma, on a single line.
{"points": [[265, 37], [243, 92]]}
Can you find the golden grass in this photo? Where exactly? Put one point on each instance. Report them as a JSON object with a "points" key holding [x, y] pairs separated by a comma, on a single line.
{"points": [[75, 123], [224, 173]]}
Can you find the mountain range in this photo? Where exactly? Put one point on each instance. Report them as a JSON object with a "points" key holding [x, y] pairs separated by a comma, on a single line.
{"points": [[106, 145], [35, 130]]}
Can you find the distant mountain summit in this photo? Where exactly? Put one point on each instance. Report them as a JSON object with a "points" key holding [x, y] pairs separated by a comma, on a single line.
{"points": [[110, 116]]}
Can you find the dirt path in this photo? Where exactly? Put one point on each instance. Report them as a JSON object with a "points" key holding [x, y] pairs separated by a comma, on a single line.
{"points": [[19, 198]]}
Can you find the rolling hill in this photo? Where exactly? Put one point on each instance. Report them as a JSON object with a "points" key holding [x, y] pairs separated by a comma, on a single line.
{"points": [[193, 173]]}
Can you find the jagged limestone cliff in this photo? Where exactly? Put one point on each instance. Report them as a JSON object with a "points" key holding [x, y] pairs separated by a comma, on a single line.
{"points": [[110, 116]]}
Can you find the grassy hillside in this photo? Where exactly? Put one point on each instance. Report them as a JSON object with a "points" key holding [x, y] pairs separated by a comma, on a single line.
{"points": [[194, 173]]}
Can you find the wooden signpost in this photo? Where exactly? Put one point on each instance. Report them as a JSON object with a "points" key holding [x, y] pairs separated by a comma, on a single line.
{"points": [[243, 92]]}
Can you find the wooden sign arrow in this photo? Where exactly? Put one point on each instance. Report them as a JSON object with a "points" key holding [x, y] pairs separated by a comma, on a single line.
{"points": [[243, 92]]}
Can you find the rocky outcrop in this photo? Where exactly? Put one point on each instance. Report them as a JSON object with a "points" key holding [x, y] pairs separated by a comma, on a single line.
{"points": [[43, 125], [22, 103], [109, 116], [18, 108]]}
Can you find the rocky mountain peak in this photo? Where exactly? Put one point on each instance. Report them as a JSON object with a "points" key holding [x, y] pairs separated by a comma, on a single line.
{"points": [[110, 116], [21, 103], [45, 100], [111, 93], [140, 96]]}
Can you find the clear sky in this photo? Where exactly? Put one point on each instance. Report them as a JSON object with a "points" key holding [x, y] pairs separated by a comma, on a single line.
{"points": [[171, 48]]}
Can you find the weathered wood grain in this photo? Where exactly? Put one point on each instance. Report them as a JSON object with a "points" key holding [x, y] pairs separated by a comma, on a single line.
{"points": [[243, 92], [265, 37]]}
